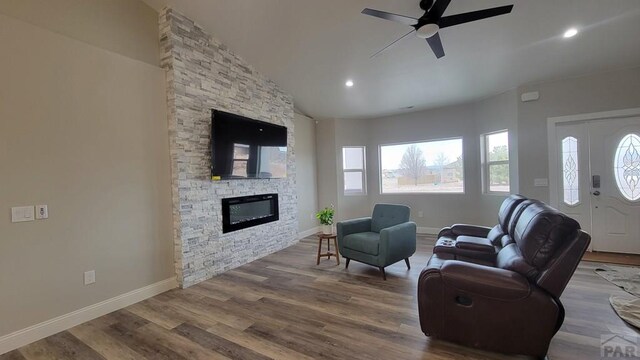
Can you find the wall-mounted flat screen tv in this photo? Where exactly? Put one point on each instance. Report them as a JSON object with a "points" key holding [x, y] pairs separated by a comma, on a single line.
{"points": [[243, 148]]}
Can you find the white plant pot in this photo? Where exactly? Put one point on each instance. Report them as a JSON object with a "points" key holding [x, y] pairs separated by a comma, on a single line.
{"points": [[327, 229]]}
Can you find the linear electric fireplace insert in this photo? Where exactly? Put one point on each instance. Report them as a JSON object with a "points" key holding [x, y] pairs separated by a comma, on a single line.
{"points": [[247, 211]]}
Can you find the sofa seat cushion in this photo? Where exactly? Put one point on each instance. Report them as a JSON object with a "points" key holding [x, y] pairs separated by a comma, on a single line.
{"points": [[365, 242], [473, 243]]}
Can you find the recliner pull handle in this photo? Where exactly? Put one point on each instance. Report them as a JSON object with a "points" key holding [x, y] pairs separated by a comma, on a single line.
{"points": [[463, 300]]}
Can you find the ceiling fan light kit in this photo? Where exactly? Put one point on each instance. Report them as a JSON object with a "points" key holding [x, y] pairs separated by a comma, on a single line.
{"points": [[428, 26], [427, 31]]}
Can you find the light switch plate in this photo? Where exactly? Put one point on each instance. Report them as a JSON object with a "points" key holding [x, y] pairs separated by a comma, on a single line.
{"points": [[22, 214], [541, 182], [42, 212]]}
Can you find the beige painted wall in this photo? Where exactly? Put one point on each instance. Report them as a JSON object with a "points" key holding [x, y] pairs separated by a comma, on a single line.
{"points": [[493, 114], [327, 163], [593, 93], [439, 209], [469, 121], [306, 174], [84, 131], [127, 27]]}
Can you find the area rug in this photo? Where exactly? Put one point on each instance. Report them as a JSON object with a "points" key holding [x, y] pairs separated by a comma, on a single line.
{"points": [[625, 277], [627, 307]]}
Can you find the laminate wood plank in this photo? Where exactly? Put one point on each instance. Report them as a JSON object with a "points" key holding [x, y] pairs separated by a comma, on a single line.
{"points": [[38, 350], [184, 346], [217, 343], [148, 348], [107, 346], [256, 343], [13, 355], [66, 346]]}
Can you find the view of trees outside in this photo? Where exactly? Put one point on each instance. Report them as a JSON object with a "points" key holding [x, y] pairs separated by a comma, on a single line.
{"points": [[434, 166], [498, 161]]}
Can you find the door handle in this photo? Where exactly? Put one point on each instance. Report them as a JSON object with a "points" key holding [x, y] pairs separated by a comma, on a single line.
{"points": [[596, 193]]}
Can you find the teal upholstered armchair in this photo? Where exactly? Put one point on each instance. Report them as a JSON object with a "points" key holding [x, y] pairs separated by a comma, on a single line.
{"points": [[381, 240]]}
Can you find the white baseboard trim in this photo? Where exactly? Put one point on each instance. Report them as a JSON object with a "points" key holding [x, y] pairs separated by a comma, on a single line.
{"points": [[306, 233], [53, 326], [428, 230]]}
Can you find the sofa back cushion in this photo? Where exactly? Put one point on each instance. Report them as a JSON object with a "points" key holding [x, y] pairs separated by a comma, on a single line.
{"points": [[387, 215], [540, 231], [510, 258], [513, 220], [506, 210]]}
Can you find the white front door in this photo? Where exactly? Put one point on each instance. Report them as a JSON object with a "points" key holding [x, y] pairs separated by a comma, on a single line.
{"points": [[614, 148], [598, 180]]}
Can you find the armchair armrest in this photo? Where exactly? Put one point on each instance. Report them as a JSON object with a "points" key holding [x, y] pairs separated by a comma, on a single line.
{"points": [[469, 230], [485, 281], [398, 242], [354, 226]]}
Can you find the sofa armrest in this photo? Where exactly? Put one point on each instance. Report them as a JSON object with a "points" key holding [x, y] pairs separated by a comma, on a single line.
{"points": [[470, 230], [354, 226], [476, 244], [397, 242], [485, 281]]}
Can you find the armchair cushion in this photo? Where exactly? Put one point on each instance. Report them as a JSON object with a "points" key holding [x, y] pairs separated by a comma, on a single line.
{"points": [[387, 215], [364, 242]]}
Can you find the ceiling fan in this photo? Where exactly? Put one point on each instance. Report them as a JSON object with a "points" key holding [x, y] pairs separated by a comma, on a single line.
{"points": [[432, 21]]}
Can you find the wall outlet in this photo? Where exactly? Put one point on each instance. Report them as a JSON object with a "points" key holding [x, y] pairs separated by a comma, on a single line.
{"points": [[420, 214], [89, 277], [42, 212]]}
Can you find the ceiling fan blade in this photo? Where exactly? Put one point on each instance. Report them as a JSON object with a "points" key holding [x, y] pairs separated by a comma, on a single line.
{"points": [[437, 10], [473, 16], [389, 16], [436, 45], [390, 45]]}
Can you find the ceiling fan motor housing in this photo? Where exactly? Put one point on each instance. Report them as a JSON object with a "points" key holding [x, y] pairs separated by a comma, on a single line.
{"points": [[426, 4]]}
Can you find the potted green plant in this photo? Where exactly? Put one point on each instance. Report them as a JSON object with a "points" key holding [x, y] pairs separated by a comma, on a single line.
{"points": [[326, 219]]}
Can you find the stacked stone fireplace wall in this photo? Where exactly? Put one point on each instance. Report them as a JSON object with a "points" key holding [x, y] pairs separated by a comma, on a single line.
{"points": [[202, 74]]}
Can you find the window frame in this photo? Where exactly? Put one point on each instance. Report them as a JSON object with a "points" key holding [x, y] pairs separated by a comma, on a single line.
{"points": [[464, 182], [486, 163], [363, 171]]}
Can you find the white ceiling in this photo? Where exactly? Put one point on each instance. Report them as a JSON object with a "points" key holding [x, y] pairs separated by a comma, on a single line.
{"points": [[311, 47]]}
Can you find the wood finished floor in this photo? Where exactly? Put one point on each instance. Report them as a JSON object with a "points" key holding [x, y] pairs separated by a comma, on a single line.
{"points": [[285, 307]]}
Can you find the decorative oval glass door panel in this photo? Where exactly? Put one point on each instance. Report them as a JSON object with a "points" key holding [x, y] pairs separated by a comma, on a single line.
{"points": [[570, 171], [627, 167]]}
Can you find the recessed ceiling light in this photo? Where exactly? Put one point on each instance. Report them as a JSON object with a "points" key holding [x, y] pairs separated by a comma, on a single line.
{"points": [[349, 83], [570, 33]]}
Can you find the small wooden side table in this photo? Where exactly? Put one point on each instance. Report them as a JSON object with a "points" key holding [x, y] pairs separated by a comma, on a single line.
{"points": [[329, 253]]}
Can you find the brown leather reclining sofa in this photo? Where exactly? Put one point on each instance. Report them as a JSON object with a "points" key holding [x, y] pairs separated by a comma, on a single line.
{"points": [[498, 288]]}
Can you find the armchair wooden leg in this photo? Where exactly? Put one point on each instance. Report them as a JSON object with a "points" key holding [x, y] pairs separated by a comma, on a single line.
{"points": [[347, 265], [408, 264], [384, 275]]}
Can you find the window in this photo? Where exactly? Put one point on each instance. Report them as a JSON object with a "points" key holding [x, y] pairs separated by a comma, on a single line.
{"points": [[240, 160], [496, 162], [570, 171], [627, 167], [424, 167], [353, 167]]}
